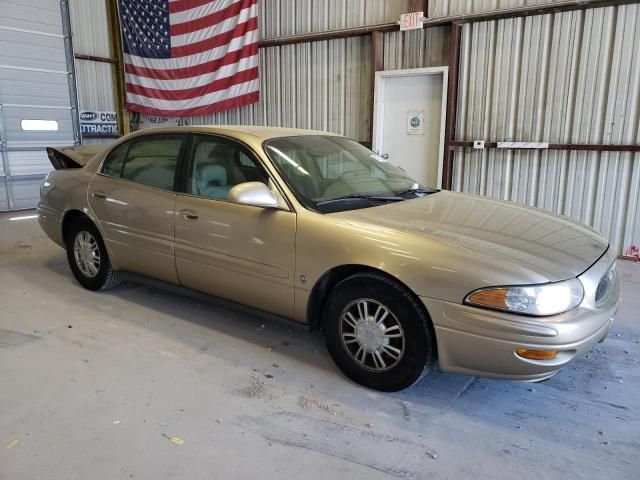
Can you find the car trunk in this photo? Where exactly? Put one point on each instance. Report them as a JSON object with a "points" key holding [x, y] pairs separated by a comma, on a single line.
{"points": [[78, 156]]}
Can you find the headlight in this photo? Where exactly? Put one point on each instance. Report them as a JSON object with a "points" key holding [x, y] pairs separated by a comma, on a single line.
{"points": [[538, 300]]}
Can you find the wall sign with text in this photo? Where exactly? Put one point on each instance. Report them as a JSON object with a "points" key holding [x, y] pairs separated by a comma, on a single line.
{"points": [[98, 124]]}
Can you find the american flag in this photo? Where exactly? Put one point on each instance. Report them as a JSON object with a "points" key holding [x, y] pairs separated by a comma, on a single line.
{"points": [[189, 57]]}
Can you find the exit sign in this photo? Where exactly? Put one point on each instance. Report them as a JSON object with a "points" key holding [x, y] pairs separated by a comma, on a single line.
{"points": [[411, 21]]}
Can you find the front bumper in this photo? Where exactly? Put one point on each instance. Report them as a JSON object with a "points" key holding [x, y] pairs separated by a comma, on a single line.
{"points": [[481, 342]]}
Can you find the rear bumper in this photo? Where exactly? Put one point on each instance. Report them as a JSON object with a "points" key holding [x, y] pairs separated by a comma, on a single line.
{"points": [[481, 342]]}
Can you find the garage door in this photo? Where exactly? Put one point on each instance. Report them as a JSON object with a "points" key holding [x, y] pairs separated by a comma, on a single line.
{"points": [[37, 95]]}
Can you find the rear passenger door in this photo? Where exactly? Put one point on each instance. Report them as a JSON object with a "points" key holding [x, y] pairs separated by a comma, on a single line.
{"points": [[133, 198]]}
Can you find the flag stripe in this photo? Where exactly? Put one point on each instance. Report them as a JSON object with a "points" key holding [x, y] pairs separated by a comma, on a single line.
{"points": [[203, 22], [182, 5], [227, 104], [216, 41], [212, 97], [193, 60], [213, 30], [200, 91], [248, 52], [199, 11]]}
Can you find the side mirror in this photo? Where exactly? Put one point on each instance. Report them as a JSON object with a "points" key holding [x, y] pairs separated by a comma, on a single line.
{"points": [[256, 194]]}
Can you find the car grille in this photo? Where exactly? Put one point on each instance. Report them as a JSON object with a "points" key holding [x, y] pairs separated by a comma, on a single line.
{"points": [[605, 285]]}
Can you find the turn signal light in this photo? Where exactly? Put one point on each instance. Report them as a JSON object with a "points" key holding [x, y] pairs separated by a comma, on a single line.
{"points": [[537, 354], [495, 297]]}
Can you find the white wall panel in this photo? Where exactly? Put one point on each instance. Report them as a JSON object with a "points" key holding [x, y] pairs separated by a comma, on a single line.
{"points": [[90, 27], [571, 77], [36, 83], [36, 15], [290, 17], [447, 8], [95, 86], [416, 48]]}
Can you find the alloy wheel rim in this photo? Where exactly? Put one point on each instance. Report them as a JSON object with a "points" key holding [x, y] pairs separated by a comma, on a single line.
{"points": [[372, 335], [87, 254]]}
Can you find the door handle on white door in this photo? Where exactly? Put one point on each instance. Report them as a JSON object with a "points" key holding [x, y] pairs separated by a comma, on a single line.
{"points": [[385, 156], [189, 214]]}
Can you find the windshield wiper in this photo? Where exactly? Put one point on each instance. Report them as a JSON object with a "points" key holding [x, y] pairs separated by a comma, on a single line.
{"points": [[418, 191], [362, 196]]}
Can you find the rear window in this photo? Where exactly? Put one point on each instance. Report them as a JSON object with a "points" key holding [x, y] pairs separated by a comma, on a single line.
{"points": [[149, 161]]}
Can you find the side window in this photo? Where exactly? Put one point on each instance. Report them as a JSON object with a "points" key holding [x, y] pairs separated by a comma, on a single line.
{"points": [[112, 165], [152, 161], [218, 165]]}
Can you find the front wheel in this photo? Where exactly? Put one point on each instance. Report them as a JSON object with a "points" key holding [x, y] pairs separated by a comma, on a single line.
{"points": [[378, 333], [88, 258]]}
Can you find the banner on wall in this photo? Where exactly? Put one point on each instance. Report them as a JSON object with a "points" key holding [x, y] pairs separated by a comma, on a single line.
{"points": [[140, 121], [189, 57], [98, 124]]}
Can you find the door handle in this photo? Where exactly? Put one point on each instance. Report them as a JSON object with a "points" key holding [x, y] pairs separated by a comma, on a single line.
{"points": [[189, 215], [99, 195], [385, 156]]}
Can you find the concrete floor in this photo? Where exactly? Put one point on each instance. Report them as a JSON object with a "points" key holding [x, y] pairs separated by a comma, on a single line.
{"points": [[90, 384]]}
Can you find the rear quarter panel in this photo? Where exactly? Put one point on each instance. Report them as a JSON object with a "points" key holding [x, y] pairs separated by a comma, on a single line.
{"points": [[61, 192]]}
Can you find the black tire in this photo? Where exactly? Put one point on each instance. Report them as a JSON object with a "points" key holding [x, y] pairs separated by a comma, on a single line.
{"points": [[415, 328], [106, 277]]}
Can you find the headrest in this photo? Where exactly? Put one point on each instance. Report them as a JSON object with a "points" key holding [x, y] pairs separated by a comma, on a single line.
{"points": [[211, 175], [222, 152]]}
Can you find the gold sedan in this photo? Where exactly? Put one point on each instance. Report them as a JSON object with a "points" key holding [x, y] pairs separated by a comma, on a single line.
{"points": [[316, 228]]}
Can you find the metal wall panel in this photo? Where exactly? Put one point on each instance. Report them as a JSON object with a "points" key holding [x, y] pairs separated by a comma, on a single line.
{"points": [[90, 27], [42, 16], [290, 17], [95, 86], [416, 48], [446, 8], [321, 85], [571, 77], [36, 83]]}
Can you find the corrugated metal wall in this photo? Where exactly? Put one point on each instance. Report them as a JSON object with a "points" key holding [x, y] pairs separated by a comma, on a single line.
{"points": [[326, 85], [416, 48], [571, 77], [94, 79], [447, 8], [289, 17], [321, 85]]}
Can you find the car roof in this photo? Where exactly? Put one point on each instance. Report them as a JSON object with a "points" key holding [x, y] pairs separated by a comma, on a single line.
{"points": [[261, 132]]}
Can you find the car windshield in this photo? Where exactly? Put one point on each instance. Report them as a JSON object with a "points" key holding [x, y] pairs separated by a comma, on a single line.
{"points": [[329, 173]]}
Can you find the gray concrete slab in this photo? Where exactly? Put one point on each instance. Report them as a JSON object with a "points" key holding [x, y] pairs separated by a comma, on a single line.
{"points": [[91, 383]]}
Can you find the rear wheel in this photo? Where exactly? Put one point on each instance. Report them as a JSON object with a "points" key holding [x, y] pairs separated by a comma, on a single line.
{"points": [[88, 257], [378, 333]]}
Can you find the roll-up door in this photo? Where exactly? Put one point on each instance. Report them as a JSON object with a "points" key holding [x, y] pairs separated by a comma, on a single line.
{"points": [[37, 95]]}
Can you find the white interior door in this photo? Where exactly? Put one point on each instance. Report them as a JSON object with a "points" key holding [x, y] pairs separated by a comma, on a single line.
{"points": [[409, 121]]}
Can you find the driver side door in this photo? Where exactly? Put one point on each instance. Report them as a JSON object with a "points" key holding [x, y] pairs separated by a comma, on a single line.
{"points": [[242, 253]]}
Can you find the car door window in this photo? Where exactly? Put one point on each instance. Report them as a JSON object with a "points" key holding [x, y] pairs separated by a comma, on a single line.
{"points": [[218, 165], [150, 161], [115, 160]]}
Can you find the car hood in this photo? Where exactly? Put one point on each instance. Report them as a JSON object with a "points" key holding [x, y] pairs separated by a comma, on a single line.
{"points": [[552, 246]]}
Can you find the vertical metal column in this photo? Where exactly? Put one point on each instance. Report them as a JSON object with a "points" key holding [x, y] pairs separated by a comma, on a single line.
{"points": [[71, 69], [5, 160]]}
